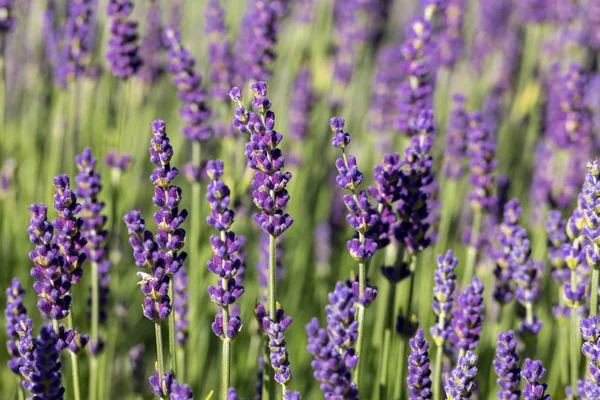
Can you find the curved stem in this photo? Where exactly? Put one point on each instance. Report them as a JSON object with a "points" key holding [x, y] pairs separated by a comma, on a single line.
{"points": [[472, 251], [74, 363], [437, 373], [172, 350]]}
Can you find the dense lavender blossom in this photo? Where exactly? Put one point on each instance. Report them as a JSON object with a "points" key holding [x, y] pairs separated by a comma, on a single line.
{"points": [[532, 372], [167, 387], [43, 378], [219, 51], [266, 159], [591, 336], [225, 262], [150, 50], [275, 331], [461, 383], [468, 317], [194, 111], [506, 365], [299, 115], [573, 253], [445, 281], [481, 149], [456, 139], [52, 282], [386, 191], [93, 228], [122, 53], [119, 162], [333, 347], [181, 307], [590, 201], [384, 91], [535, 10], [7, 19], [419, 383], [15, 312]]}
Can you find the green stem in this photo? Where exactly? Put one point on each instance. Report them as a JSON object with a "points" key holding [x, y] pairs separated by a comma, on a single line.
{"points": [[272, 281], [594, 288], [172, 350], [74, 363], [437, 373], [56, 326], [574, 342], [2, 90], [403, 349], [362, 282], [159, 349], [383, 380], [181, 363], [225, 368], [20, 389], [124, 102], [472, 250], [93, 389]]}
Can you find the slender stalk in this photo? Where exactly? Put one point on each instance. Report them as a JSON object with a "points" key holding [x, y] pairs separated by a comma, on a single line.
{"points": [[19, 389], [437, 373], [125, 89], [472, 250], [159, 349], [172, 350], [383, 380], [403, 349], [93, 389], [181, 363], [74, 364], [574, 345], [272, 281], [225, 368], [361, 319], [55, 326], [594, 287]]}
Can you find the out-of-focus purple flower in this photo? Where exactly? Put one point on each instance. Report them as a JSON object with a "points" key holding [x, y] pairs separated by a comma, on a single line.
{"points": [[15, 312], [387, 191], [491, 32], [219, 51], [180, 306], [535, 11], [136, 362], [532, 372], [591, 23], [467, 321], [333, 347], [349, 34], [75, 51], [506, 265], [557, 237], [445, 281], [52, 282], [299, 115], [260, 376], [275, 330], [461, 382], [225, 262], [419, 383], [266, 159], [151, 48], [450, 42], [481, 150], [167, 387], [122, 53], [195, 111], [7, 177], [7, 19], [120, 162], [456, 139], [506, 365], [304, 11]]}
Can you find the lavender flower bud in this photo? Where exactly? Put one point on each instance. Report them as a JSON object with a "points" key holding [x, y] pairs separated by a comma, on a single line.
{"points": [[590, 204], [384, 92], [76, 51], [506, 365], [461, 383], [442, 296], [219, 51], [136, 361], [122, 53], [450, 43], [532, 372], [120, 162], [419, 383], [167, 387], [468, 317], [481, 149], [456, 139], [591, 346], [44, 379], [278, 354], [15, 312], [303, 99]]}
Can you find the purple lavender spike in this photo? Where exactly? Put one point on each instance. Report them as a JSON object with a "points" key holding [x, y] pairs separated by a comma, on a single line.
{"points": [[461, 383], [219, 51], [467, 321], [122, 53], [506, 365], [15, 312], [445, 281], [419, 382], [532, 372]]}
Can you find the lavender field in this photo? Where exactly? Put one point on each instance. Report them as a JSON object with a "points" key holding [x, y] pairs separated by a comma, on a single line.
{"points": [[316, 199]]}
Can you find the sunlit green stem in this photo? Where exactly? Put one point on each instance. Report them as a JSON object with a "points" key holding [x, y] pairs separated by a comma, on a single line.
{"points": [[93, 389], [74, 363], [225, 367], [594, 287], [437, 373], [472, 250], [19, 389], [159, 349], [574, 342], [172, 347], [272, 291]]}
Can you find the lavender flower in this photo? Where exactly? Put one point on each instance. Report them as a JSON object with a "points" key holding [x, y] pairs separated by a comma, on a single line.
{"points": [[42, 373], [445, 280], [481, 149], [532, 373], [299, 116], [348, 36], [180, 305], [333, 347], [152, 67], [591, 335], [118, 162], [456, 139], [7, 21], [275, 330], [461, 383], [219, 51], [136, 361], [15, 312], [590, 201], [225, 262], [76, 52], [573, 253], [387, 191], [506, 365], [493, 24], [419, 383], [557, 238], [468, 317], [450, 43], [167, 387], [122, 53], [194, 111]]}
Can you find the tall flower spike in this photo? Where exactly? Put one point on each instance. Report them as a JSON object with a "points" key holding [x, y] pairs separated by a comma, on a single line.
{"points": [[450, 43], [122, 53], [590, 205], [481, 149], [456, 139], [506, 365], [275, 331], [15, 312], [461, 382], [225, 262], [52, 283], [532, 373], [150, 51], [333, 347], [219, 51], [93, 229], [195, 111], [468, 317], [78, 28], [591, 347], [445, 281], [419, 382]]}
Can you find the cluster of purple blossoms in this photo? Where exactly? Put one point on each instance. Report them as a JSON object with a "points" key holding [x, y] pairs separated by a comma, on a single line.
{"points": [[194, 111], [166, 387], [219, 51], [150, 50], [76, 51], [333, 347], [506, 365], [532, 372], [461, 382], [15, 312], [450, 42], [445, 282], [592, 19], [226, 247], [555, 227], [494, 23], [7, 19], [299, 114], [589, 201], [573, 252], [118, 162], [122, 53], [93, 230], [467, 321], [419, 381], [348, 36], [362, 217], [456, 139], [481, 150], [591, 348], [266, 159], [181, 307]]}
